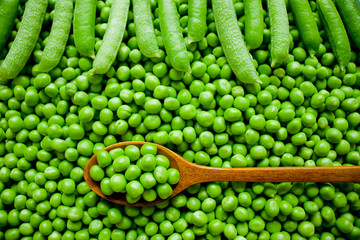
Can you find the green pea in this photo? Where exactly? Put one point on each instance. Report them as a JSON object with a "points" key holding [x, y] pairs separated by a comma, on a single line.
{"points": [[174, 176], [164, 190], [296, 97], [161, 174]]}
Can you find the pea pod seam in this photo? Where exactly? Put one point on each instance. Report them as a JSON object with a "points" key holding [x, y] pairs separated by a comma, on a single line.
{"points": [[350, 13], [25, 39], [232, 42], [58, 37], [254, 23], [306, 24], [144, 28], [113, 37], [197, 20], [172, 36], [8, 10], [280, 34], [84, 27], [335, 30]]}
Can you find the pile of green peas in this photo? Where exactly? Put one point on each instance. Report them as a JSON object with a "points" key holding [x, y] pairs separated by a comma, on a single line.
{"points": [[139, 173], [305, 113]]}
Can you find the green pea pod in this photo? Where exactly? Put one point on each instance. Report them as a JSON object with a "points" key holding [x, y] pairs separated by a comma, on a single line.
{"points": [[306, 24], [25, 39], [144, 28], [172, 36], [58, 37], [113, 37], [350, 13], [232, 42], [84, 27], [8, 10], [197, 20], [254, 23], [335, 31], [280, 33]]}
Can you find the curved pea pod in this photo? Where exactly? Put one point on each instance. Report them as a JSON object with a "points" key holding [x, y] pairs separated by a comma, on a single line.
{"points": [[350, 13], [25, 39], [113, 37], [58, 37], [335, 31], [197, 20], [144, 29], [84, 27], [232, 42], [172, 36], [254, 23], [8, 10], [306, 24], [280, 33]]}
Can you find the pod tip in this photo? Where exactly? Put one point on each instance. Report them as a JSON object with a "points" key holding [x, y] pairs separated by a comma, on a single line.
{"points": [[91, 72], [189, 70], [312, 52], [157, 54]]}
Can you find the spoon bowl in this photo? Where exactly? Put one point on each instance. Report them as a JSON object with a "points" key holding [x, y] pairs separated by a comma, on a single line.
{"points": [[191, 174], [120, 198]]}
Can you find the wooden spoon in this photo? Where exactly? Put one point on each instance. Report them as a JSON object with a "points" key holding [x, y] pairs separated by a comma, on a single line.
{"points": [[191, 174]]}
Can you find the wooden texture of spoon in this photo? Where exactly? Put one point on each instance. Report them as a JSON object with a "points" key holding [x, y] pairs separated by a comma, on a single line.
{"points": [[191, 174]]}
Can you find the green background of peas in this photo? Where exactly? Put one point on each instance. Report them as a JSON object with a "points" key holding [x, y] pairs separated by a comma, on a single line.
{"points": [[305, 113]]}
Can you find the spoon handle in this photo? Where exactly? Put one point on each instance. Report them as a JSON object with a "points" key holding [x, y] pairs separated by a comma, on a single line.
{"points": [[274, 174]]}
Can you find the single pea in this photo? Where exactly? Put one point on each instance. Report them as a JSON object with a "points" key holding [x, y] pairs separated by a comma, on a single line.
{"points": [[97, 173], [160, 69], [199, 218], [42, 80], [147, 162], [293, 69], [173, 176], [299, 54], [198, 69], [164, 190], [121, 163], [187, 112], [132, 172], [258, 152], [103, 159], [344, 225]]}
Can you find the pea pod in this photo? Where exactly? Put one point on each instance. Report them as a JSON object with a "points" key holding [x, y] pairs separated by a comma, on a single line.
{"points": [[350, 13], [172, 35], [8, 10], [254, 23], [58, 37], [197, 20], [113, 36], [144, 28], [25, 39], [280, 34], [84, 27], [335, 31], [232, 42], [306, 24]]}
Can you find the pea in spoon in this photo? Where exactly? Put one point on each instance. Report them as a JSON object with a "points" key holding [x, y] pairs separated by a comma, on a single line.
{"points": [[191, 174]]}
